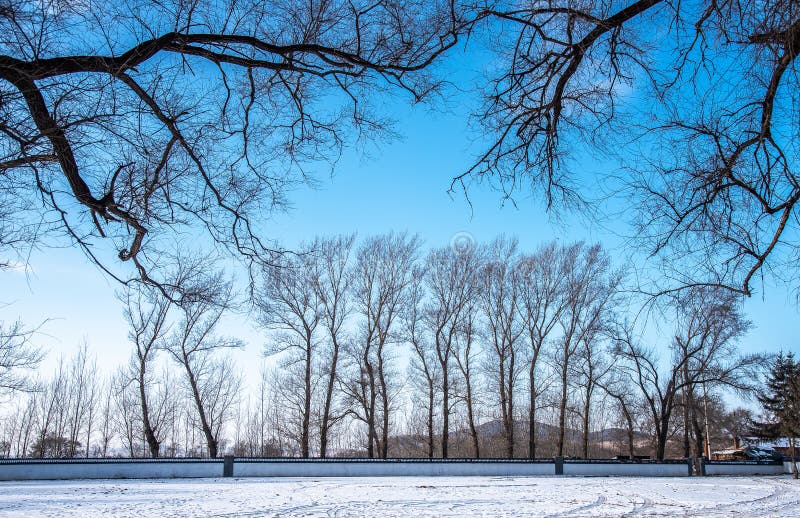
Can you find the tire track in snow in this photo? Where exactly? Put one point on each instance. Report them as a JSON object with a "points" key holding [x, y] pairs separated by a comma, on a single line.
{"points": [[738, 506], [601, 499], [639, 507]]}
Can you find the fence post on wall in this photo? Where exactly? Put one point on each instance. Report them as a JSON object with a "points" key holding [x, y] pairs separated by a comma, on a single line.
{"points": [[559, 461], [227, 466], [690, 462], [703, 466]]}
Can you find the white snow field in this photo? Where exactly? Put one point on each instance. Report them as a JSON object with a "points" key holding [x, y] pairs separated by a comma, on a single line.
{"points": [[406, 496]]}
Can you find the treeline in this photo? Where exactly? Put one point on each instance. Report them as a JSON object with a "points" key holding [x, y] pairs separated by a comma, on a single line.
{"points": [[378, 348]]}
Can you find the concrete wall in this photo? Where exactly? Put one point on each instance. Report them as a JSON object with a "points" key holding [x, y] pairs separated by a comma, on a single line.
{"points": [[27, 469], [741, 469], [601, 469], [278, 468], [87, 469]]}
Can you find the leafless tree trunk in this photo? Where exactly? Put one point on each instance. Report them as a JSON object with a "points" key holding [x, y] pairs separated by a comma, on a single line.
{"points": [[617, 388], [592, 371], [543, 298], [193, 343], [51, 408], [708, 326], [500, 303], [24, 427], [452, 283], [333, 291], [687, 446], [424, 362], [590, 286], [106, 419], [127, 418], [381, 280], [220, 386], [464, 353], [146, 311], [659, 394], [288, 302], [81, 400]]}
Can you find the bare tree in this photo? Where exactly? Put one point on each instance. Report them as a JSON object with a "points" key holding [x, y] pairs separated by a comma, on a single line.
{"points": [[132, 123], [193, 343], [715, 186], [51, 411], [288, 302], [590, 288], [219, 385], [19, 428], [64, 408], [81, 400], [127, 411], [332, 286], [500, 306], [591, 370], [708, 319], [146, 311], [543, 298], [616, 386], [465, 354], [18, 356], [709, 350], [106, 428], [424, 366], [452, 282], [382, 275], [259, 438]]}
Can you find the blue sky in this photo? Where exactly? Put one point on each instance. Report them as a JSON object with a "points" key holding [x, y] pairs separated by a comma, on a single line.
{"points": [[402, 185]]}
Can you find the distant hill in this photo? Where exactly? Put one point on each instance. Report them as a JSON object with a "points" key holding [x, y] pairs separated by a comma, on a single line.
{"points": [[615, 434], [494, 428], [603, 443]]}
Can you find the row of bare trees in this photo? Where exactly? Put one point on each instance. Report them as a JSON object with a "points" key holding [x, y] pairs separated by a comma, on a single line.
{"points": [[60, 415], [75, 412], [483, 331], [374, 340], [72, 415]]}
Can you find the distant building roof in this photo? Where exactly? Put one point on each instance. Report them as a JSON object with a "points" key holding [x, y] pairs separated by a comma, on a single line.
{"points": [[751, 449], [765, 442], [726, 452]]}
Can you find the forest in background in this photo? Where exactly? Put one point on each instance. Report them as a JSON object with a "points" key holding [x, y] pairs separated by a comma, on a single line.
{"points": [[377, 349]]}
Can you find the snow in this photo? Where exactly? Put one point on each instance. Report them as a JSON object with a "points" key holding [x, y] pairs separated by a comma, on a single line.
{"points": [[406, 496]]}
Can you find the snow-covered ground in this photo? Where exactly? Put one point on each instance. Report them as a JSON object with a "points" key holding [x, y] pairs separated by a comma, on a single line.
{"points": [[406, 496]]}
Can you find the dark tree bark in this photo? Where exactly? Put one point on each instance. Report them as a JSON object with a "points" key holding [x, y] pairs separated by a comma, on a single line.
{"points": [[423, 362], [709, 324], [591, 288], [464, 351]]}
